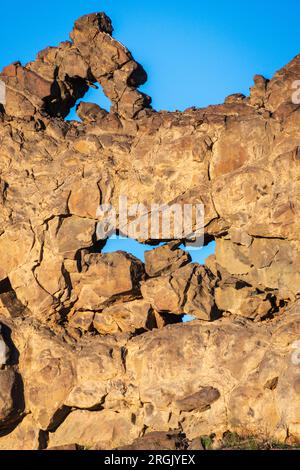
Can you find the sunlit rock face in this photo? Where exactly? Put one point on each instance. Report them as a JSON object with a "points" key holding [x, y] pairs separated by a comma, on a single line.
{"points": [[93, 351]]}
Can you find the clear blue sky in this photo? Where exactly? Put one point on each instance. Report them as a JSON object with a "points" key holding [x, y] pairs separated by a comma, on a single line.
{"points": [[195, 52]]}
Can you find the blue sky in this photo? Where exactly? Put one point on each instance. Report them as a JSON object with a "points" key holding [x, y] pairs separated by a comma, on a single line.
{"points": [[195, 53]]}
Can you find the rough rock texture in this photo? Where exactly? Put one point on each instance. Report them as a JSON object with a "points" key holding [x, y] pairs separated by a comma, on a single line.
{"points": [[89, 352]]}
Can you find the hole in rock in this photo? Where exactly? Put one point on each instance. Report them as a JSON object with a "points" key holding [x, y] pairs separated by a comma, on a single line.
{"points": [[198, 256], [94, 95], [138, 249], [130, 245]]}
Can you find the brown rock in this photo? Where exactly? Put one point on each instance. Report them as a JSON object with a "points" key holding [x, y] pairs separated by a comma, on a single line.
{"points": [[125, 317], [245, 301], [96, 367], [48, 375], [106, 277], [187, 290], [26, 436], [90, 112], [96, 430], [158, 441], [165, 259], [198, 401], [83, 324]]}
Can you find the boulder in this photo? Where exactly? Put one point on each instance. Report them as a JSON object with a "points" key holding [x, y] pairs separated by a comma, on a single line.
{"points": [[98, 353], [165, 259], [188, 290], [106, 277]]}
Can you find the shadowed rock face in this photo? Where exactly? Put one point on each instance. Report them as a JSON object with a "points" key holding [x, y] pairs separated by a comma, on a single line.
{"points": [[89, 334]]}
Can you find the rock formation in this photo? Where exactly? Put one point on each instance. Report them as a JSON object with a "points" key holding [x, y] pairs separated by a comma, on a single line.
{"points": [[93, 353]]}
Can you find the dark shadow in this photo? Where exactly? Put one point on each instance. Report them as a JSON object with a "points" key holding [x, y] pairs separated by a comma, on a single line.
{"points": [[57, 106], [14, 353]]}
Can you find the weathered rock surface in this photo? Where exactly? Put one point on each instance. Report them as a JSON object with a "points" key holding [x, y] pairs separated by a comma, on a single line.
{"points": [[188, 290], [106, 278], [100, 392], [125, 317], [165, 259], [7, 382], [88, 354]]}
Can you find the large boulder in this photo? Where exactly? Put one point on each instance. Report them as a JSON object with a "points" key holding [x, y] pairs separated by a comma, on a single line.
{"points": [[188, 290], [107, 277], [125, 317], [165, 259], [97, 430]]}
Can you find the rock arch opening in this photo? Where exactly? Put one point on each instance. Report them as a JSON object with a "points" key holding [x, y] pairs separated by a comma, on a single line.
{"points": [[93, 105], [161, 262]]}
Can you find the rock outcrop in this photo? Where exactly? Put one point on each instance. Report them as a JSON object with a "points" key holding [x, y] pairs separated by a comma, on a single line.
{"points": [[93, 351]]}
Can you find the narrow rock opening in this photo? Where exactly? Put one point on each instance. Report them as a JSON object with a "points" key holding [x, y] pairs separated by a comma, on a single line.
{"points": [[143, 286], [138, 249], [129, 245], [94, 101], [57, 105]]}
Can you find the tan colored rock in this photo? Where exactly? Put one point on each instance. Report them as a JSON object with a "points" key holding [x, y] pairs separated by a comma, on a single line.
{"points": [[15, 248], [271, 264], [106, 277], [229, 342], [125, 317], [251, 409], [160, 294], [96, 368], [82, 320], [84, 199], [26, 436], [96, 430], [87, 146], [69, 234], [232, 257], [245, 301], [258, 91], [48, 375], [90, 112], [187, 290]]}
